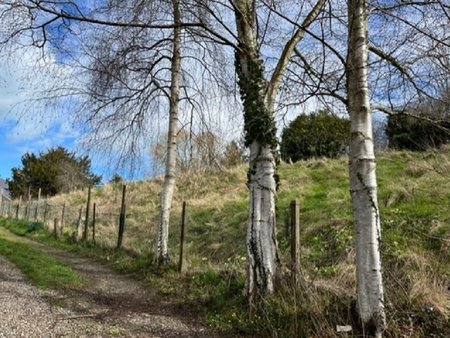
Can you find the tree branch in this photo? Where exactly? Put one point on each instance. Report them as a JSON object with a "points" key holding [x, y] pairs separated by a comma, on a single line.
{"points": [[286, 54]]}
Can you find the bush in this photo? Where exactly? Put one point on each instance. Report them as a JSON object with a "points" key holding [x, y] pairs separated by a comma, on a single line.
{"points": [[405, 132], [321, 134]]}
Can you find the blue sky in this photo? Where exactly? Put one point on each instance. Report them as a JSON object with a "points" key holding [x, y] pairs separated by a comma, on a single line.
{"points": [[21, 74], [34, 132], [41, 127], [17, 139]]}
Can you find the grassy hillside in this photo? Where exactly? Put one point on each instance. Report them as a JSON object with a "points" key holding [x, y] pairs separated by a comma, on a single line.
{"points": [[414, 196]]}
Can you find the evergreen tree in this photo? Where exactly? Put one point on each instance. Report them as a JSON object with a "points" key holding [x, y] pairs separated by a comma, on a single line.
{"points": [[54, 171]]}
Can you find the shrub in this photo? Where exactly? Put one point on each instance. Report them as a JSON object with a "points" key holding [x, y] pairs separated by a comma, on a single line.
{"points": [[321, 134], [405, 132]]}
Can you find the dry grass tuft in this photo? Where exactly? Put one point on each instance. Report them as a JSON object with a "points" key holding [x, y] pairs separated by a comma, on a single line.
{"points": [[346, 274], [415, 170], [342, 283], [399, 193], [425, 286]]}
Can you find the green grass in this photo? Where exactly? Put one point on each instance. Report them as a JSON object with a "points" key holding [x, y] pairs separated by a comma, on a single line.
{"points": [[41, 269], [414, 198]]}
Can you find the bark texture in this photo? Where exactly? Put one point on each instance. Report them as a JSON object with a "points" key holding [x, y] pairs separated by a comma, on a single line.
{"points": [[258, 96], [161, 256], [261, 139], [363, 181]]}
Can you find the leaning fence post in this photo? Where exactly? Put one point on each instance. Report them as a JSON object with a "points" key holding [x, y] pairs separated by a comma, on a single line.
{"points": [[295, 242], [182, 236], [93, 222], [86, 221], [122, 218]]}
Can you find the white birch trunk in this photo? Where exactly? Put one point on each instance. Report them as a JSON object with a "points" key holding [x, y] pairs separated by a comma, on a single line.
{"points": [[261, 239], [363, 182], [261, 231], [166, 197]]}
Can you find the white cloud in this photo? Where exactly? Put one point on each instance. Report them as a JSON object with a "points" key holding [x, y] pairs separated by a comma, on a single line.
{"points": [[24, 76]]}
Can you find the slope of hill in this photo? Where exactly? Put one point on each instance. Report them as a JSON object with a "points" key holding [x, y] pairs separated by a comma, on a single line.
{"points": [[414, 195]]}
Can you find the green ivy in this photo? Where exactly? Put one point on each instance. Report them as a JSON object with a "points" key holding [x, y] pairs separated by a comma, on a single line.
{"points": [[259, 124]]}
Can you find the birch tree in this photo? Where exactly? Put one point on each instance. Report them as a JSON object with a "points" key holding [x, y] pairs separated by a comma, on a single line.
{"points": [[258, 96], [362, 171], [161, 255], [162, 75], [407, 43]]}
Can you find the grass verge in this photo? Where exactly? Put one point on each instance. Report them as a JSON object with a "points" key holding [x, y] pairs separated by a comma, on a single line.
{"points": [[41, 269]]}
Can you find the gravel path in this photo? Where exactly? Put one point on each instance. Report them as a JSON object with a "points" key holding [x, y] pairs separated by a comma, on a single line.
{"points": [[23, 312], [112, 306]]}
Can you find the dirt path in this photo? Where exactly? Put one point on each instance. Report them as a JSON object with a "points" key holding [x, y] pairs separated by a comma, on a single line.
{"points": [[113, 305]]}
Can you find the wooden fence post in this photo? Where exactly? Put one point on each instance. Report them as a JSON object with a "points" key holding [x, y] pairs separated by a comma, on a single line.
{"points": [[63, 213], [45, 212], [77, 230], [20, 200], [36, 210], [27, 210], [122, 219], [86, 221], [17, 210], [57, 228], [295, 242], [93, 222], [39, 194], [182, 236]]}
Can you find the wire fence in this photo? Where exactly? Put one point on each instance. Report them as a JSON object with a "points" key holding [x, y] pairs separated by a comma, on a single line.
{"points": [[113, 226], [89, 222]]}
